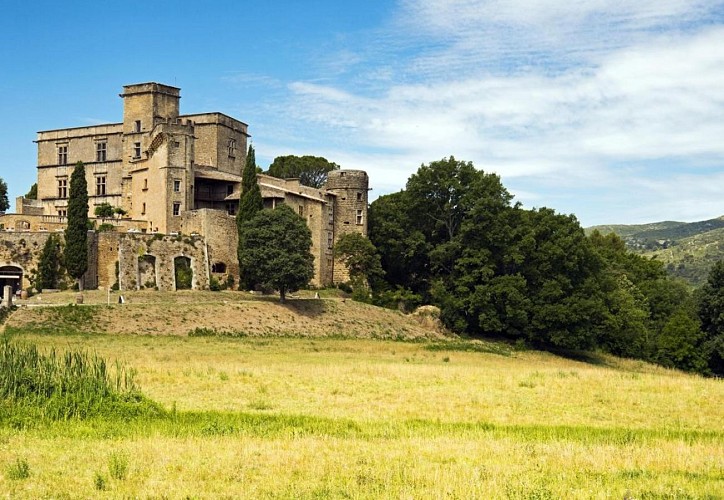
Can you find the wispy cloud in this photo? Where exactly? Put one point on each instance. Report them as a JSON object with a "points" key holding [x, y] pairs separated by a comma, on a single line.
{"points": [[621, 101]]}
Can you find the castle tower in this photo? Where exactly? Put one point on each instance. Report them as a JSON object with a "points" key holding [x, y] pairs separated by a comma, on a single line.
{"points": [[349, 188]]}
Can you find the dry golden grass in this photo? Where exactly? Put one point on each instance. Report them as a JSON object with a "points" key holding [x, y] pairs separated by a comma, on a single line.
{"points": [[359, 418]]}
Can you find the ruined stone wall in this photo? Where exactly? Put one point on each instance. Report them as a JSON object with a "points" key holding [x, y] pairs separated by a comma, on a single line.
{"points": [[107, 258], [163, 249], [221, 239]]}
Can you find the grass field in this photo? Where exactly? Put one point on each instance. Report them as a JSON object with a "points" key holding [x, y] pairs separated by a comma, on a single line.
{"points": [[271, 417]]}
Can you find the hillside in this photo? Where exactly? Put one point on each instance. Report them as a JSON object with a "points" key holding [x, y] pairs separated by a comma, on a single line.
{"points": [[688, 249], [232, 314]]}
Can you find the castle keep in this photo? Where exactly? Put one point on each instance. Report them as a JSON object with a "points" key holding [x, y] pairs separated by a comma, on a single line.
{"points": [[178, 179]]}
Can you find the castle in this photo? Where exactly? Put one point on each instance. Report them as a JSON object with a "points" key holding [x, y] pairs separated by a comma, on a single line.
{"points": [[177, 177]]}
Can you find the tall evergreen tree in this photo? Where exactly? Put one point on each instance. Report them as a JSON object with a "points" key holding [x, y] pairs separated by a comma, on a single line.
{"points": [[76, 234], [250, 203], [4, 203], [49, 264]]}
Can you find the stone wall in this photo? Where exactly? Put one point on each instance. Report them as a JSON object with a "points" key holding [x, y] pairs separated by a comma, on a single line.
{"points": [[164, 249], [221, 240]]}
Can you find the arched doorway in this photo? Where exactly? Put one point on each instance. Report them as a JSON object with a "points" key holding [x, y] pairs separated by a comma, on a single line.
{"points": [[147, 271], [10, 275], [183, 273]]}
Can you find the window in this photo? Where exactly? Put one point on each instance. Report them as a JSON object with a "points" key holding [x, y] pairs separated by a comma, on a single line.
{"points": [[177, 208], [62, 155], [176, 186], [136, 149], [63, 187], [231, 208], [229, 190], [359, 196], [101, 148], [218, 267], [331, 214], [232, 148], [359, 217], [137, 126], [301, 210], [101, 185], [330, 240], [62, 212], [145, 184], [143, 209]]}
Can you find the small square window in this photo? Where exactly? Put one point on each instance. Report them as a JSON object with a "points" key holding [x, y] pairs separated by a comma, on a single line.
{"points": [[136, 149], [301, 210], [359, 196], [176, 186], [359, 217], [177, 208]]}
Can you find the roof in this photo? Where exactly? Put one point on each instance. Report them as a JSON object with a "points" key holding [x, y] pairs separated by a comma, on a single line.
{"points": [[204, 172]]}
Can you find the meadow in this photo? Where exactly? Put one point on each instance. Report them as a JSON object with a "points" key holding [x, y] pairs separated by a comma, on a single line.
{"points": [[327, 417]]}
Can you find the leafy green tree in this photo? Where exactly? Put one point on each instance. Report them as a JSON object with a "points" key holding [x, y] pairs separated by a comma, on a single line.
{"points": [[49, 271], [679, 345], [76, 234], [104, 211], [33, 193], [250, 203], [710, 300], [360, 257], [4, 203], [310, 170], [120, 212], [276, 250]]}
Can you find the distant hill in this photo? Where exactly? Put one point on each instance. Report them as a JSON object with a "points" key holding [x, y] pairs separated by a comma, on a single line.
{"points": [[688, 249]]}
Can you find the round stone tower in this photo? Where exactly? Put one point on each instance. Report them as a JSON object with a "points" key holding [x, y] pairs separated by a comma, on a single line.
{"points": [[349, 189]]}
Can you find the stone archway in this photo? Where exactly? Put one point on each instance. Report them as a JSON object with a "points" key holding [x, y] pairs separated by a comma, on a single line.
{"points": [[147, 271], [11, 275], [183, 273]]}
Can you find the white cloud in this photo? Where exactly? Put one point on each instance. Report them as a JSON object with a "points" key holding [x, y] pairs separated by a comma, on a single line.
{"points": [[626, 102]]}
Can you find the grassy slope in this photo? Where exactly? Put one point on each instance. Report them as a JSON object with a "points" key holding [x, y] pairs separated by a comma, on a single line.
{"points": [[691, 258], [626, 230], [320, 417]]}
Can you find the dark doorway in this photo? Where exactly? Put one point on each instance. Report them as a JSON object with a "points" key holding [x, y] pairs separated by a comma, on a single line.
{"points": [[10, 275], [183, 273]]}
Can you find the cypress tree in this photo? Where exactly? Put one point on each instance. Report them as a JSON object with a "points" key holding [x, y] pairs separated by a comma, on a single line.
{"points": [[76, 234], [49, 265], [250, 203]]}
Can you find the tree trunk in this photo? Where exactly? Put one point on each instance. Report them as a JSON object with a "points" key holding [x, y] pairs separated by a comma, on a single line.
{"points": [[80, 284], [282, 295]]}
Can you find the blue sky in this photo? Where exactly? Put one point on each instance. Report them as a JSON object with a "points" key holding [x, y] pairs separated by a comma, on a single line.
{"points": [[613, 111]]}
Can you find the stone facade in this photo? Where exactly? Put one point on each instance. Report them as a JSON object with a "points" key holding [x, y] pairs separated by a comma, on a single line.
{"points": [[177, 175]]}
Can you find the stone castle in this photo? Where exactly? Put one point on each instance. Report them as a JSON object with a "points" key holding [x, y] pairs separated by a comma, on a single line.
{"points": [[178, 179]]}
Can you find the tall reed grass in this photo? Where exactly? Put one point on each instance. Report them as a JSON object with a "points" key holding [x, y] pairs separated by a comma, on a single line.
{"points": [[71, 384]]}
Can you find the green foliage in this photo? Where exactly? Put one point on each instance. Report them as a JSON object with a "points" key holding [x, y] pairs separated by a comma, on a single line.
{"points": [[4, 203], [183, 273], [73, 384], [104, 211], [49, 270], [20, 469], [32, 194], [76, 234], [710, 299], [106, 228], [99, 481], [310, 170], [250, 203], [360, 257], [118, 466], [120, 212], [275, 250]]}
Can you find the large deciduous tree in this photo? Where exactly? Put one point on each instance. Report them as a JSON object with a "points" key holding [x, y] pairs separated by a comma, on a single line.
{"points": [[711, 312], [250, 203], [360, 257], [276, 250], [310, 170], [76, 234]]}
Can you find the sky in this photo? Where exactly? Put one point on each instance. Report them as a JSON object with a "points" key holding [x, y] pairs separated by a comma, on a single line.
{"points": [[612, 110]]}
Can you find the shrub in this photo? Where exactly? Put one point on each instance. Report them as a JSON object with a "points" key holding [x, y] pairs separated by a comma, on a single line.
{"points": [[99, 481], [18, 470], [118, 465]]}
